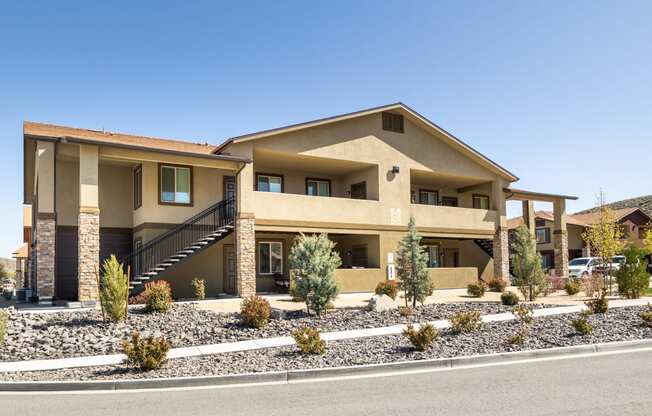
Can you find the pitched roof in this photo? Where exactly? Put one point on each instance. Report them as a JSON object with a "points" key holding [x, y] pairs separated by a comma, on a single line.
{"points": [[37, 130], [583, 220], [642, 202], [424, 122], [21, 252], [592, 217]]}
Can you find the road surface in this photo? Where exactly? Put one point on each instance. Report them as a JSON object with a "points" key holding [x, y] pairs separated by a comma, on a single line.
{"points": [[619, 384]]}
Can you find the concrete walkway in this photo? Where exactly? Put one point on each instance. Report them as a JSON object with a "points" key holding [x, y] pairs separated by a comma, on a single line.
{"points": [[114, 359]]}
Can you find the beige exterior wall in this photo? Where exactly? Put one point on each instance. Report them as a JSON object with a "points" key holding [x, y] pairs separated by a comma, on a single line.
{"points": [[575, 241]]}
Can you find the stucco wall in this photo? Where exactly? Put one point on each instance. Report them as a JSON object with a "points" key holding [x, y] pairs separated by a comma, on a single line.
{"points": [[575, 241]]}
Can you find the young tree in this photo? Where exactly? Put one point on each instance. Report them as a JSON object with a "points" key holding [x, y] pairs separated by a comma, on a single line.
{"points": [[114, 290], [313, 261], [411, 267], [647, 242], [605, 237], [528, 271], [632, 277]]}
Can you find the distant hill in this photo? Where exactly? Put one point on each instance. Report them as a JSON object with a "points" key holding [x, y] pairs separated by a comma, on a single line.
{"points": [[10, 264], [642, 202]]}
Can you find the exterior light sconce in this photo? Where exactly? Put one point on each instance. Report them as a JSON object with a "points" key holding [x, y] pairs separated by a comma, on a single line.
{"points": [[395, 169]]}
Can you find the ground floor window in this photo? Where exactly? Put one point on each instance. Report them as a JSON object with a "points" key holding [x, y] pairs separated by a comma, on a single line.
{"points": [[433, 255], [270, 257], [547, 260]]}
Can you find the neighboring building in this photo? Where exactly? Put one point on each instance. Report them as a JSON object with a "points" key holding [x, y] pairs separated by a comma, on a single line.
{"points": [[634, 223], [229, 214]]}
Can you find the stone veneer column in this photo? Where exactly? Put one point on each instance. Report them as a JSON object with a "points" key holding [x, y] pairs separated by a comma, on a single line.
{"points": [[245, 243], [89, 255], [560, 244], [501, 254], [45, 257]]}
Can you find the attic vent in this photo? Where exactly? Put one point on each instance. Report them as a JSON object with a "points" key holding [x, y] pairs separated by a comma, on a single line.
{"points": [[393, 122]]}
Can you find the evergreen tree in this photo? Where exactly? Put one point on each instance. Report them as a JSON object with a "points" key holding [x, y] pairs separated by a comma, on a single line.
{"points": [[528, 272], [411, 267], [313, 262], [632, 277]]}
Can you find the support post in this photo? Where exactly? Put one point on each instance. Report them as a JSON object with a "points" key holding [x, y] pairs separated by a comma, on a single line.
{"points": [[89, 224], [560, 238]]}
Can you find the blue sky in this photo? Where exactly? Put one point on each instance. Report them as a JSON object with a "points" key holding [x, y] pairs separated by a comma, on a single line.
{"points": [[558, 92]]}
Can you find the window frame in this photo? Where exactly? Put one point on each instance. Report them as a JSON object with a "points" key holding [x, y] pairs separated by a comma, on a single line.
{"points": [[269, 243], [483, 196], [190, 203], [393, 122], [453, 201], [428, 247], [138, 186], [270, 175], [317, 181], [546, 235], [431, 191]]}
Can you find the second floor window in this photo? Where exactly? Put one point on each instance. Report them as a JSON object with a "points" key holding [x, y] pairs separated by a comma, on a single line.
{"points": [[318, 187], [428, 197], [480, 201], [176, 184], [543, 235], [269, 183]]}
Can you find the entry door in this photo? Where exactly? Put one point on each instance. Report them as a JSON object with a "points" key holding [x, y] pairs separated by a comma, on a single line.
{"points": [[451, 257], [229, 269], [229, 187]]}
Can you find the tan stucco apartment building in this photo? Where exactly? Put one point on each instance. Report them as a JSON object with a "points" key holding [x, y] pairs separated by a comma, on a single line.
{"points": [[228, 214]]}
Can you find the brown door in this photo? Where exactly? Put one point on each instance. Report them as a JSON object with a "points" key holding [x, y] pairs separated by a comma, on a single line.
{"points": [[66, 284], [229, 269], [229, 187], [359, 190], [451, 257]]}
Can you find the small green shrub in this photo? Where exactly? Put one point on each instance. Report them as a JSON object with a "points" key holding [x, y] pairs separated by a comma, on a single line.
{"points": [[4, 320], [114, 289], [146, 354], [158, 296], [388, 287], [582, 326], [255, 312], [509, 298], [520, 336], [497, 285], [309, 340], [523, 314], [476, 290], [198, 286], [646, 316], [599, 304], [632, 277], [572, 287], [405, 311], [422, 338], [463, 322]]}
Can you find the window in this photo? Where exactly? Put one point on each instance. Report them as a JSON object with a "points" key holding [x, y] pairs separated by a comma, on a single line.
{"points": [[269, 183], [543, 235], [318, 187], [359, 190], [359, 256], [449, 201], [547, 261], [138, 187], [540, 223], [393, 122], [270, 257], [428, 197], [433, 255], [175, 184], [480, 201]]}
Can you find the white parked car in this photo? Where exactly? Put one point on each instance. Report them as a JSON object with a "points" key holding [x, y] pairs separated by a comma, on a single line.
{"points": [[582, 267]]}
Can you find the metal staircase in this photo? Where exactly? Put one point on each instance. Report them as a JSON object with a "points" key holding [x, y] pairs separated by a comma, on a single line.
{"points": [[181, 242], [488, 247]]}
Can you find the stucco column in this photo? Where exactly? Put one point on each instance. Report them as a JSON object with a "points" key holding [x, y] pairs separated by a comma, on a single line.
{"points": [[501, 236], [89, 224], [45, 232], [560, 238], [528, 216], [245, 245]]}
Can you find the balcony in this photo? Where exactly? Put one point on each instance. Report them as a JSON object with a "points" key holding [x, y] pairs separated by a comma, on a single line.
{"points": [[455, 219]]}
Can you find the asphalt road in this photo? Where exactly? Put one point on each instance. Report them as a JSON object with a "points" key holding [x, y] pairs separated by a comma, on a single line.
{"points": [[618, 384]]}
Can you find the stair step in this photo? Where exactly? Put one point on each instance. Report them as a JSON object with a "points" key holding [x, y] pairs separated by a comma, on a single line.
{"points": [[157, 269]]}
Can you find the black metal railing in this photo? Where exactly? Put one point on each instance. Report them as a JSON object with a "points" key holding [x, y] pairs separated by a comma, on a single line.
{"points": [[183, 236]]}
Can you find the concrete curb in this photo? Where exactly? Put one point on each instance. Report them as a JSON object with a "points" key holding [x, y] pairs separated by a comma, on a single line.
{"points": [[293, 376]]}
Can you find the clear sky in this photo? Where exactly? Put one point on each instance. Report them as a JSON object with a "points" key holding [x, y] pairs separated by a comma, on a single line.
{"points": [[558, 92]]}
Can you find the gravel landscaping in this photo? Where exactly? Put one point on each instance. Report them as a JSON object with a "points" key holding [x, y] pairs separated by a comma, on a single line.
{"points": [[74, 334], [554, 331]]}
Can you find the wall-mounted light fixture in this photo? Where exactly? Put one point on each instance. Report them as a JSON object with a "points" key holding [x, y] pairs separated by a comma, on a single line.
{"points": [[396, 169]]}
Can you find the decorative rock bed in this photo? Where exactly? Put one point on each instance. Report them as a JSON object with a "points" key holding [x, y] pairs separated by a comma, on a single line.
{"points": [[546, 332], [75, 334]]}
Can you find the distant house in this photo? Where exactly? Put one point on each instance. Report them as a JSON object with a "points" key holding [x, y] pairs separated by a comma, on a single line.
{"points": [[634, 223]]}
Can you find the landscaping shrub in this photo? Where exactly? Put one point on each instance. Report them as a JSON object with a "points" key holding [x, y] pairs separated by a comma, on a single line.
{"points": [[520, 336], [114, 290], [632, 277], [309, 340], [476, 290], [314, 260], [592, 283], [405, 311], [556, 282], [255, 312], [582, 326], [523, 313], [599, 304], [198, 286], [646, 316], [4, 320], [146, 354], [463, 322], [412, 267], [509, 298], [157, 296], [388, 287], [497, 285], [422, 338], [572, 287], [526, 262]]}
